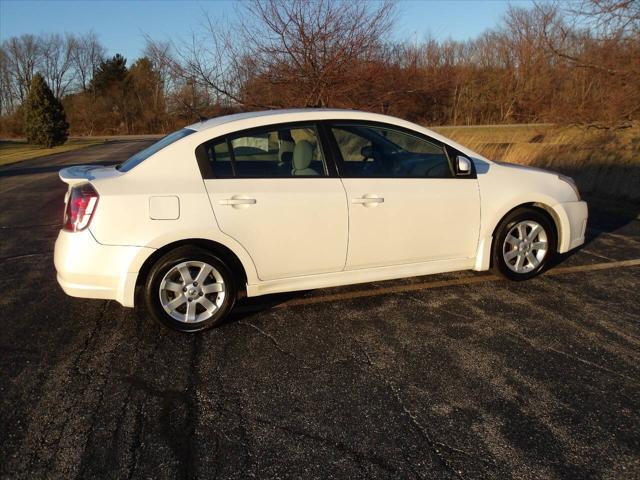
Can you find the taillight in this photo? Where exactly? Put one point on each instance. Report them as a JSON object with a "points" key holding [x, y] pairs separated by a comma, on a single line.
{"points": [[81, 206]]}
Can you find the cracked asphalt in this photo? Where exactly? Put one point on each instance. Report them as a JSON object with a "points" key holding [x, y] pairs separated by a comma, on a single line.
{"points": [[449, 376]]}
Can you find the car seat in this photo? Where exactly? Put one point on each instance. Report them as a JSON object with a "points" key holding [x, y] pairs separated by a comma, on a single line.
{"points": [[302, 157]]}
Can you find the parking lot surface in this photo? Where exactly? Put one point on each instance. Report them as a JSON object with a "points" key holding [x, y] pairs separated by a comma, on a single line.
{"points": [[460, 375]]}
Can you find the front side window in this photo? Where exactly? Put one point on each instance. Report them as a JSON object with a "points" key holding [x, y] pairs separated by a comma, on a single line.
{"points": [[142, 155], [372, 151], [272, 152]]}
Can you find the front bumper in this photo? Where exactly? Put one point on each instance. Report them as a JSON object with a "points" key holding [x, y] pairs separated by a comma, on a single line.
{"points": [[573, 224], [88, 269]]}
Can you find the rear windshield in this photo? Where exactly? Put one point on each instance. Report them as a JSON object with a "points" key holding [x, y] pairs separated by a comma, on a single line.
{"points": [[142, 155]]}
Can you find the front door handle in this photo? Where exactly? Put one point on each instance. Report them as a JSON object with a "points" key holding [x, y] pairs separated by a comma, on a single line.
{"points": [[238, 201], [368, 200]]}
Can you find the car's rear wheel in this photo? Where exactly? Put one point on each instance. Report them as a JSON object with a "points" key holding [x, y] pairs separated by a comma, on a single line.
{"points": [[524, 244], [190, 289]]}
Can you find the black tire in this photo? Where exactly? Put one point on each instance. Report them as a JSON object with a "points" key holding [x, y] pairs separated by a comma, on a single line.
{"points": [[167, 263], [509, 222]]}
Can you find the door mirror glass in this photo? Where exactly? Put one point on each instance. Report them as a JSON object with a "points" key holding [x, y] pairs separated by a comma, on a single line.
{"points": [[463, 165]]}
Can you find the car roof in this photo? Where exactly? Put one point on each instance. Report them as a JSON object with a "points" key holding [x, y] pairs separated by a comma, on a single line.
{"points": [[293, 115]]}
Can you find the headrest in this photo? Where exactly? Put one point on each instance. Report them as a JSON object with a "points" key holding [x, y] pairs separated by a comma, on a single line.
{"points": [[302, 155]]}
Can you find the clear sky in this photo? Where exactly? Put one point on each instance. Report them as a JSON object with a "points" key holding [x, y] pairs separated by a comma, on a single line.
{"points": [[121, 25]]}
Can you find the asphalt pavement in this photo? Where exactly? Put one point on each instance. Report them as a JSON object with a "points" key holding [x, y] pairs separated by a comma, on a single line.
{"points": [[460, 375]]}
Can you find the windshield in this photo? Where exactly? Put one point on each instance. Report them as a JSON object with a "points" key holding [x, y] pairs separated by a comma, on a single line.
{"points": [[142, 155]]}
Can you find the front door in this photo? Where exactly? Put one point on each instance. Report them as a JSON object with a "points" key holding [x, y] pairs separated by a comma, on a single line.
{"points": [[406, 205], [272, 193]]}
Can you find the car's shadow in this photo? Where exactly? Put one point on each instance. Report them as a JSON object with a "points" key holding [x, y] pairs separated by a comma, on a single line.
{"points": [[248, 306], [603, 220]]}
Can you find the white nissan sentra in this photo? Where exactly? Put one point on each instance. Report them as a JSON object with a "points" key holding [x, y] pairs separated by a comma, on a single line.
{"points": [[288, 200]]}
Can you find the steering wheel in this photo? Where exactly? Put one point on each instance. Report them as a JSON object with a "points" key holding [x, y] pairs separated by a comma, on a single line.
{"points": [[367, 153]]}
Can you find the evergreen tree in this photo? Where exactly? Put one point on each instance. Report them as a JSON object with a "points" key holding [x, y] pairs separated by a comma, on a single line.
{"points": [[45, 122], [112, 92], [111, 72]]}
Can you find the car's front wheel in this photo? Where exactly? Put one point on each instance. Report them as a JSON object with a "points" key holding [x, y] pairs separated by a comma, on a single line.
{"points": [[190, 289], [524, 244]]}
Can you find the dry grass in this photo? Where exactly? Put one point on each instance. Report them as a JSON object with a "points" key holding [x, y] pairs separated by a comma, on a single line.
{"points": [[12, 151], [604, 162]]}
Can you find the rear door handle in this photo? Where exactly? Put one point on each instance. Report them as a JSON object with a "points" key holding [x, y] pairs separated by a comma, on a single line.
{"points": [[368, 200], [235, 201]]}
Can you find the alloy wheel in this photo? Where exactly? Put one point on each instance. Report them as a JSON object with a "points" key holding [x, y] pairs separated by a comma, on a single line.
{"points": [[525, 246], [192, 291]]}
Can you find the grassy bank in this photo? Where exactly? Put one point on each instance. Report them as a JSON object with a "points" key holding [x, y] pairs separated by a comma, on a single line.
{"points": [[12, 151], [604, 162]]}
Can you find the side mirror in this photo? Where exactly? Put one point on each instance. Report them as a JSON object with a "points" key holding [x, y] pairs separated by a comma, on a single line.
{"points": [[463, 165]]}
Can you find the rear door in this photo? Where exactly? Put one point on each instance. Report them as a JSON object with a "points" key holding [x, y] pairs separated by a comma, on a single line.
{"points": [[406, 204], [273, 192]]}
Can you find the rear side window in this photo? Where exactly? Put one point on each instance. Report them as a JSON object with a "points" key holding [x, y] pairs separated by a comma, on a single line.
{"points": [[142, 155], [271, 152], [372, 151], [219, 157]]}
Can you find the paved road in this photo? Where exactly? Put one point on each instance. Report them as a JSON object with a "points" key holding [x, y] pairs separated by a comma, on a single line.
{"points": [[449, 376]]}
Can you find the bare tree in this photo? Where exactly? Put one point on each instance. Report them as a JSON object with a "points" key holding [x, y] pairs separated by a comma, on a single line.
{"points": [[208, 62], [310, 48], [603, 38], [287, 53], [24, 57], [86, 54], [161, 55], [608, 18], [57, 53], [7, 91]]}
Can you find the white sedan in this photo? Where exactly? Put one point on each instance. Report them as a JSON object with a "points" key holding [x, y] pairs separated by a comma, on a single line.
{"points": [[286, 200]]}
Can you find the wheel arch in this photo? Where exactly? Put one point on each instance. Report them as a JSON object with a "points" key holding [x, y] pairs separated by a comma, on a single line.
{"points": [[484, 260], [224, 252], [543, 208]]}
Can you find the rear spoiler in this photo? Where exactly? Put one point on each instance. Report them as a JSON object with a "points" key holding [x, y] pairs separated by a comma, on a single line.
{"points": [[85, 173]]}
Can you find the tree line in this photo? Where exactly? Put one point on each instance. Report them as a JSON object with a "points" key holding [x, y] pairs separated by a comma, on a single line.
{"points": [[566, 62]]}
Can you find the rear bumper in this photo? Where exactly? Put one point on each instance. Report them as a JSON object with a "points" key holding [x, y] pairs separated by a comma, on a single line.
{"points": [[88, 269], [573, 224]]}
